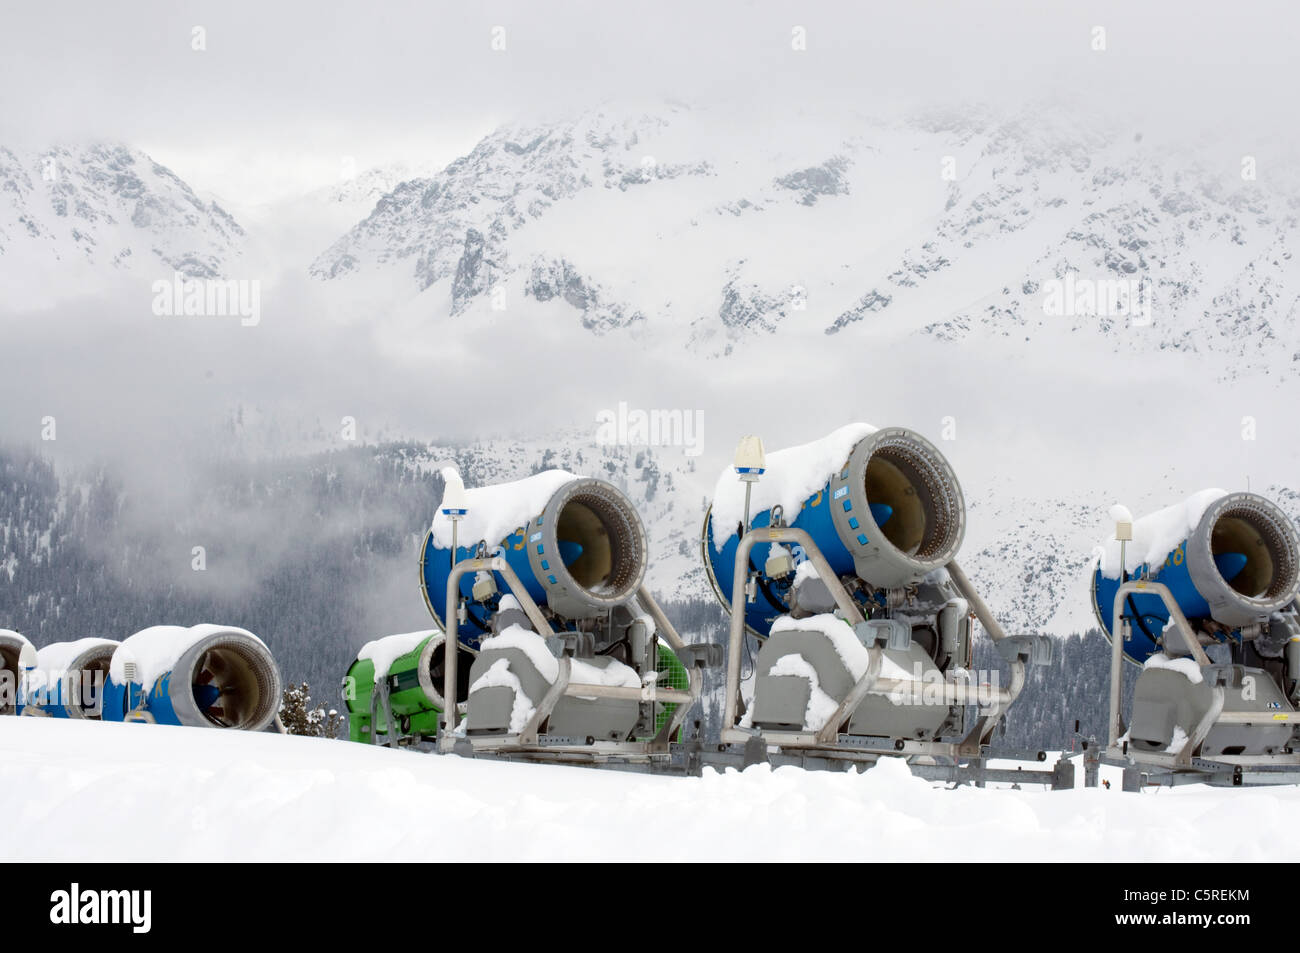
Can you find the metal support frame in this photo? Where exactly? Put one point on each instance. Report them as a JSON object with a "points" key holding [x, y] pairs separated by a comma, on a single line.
{"points": [[1181, 767], [695, 678], [451, 651], [1118, 630], [529, 737], [1183, 757], [829, 736], [982, 730]]}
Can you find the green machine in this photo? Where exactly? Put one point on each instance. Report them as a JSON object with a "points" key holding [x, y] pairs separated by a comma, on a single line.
{"points": [[562, 652], [408, 693], [407, 690]]}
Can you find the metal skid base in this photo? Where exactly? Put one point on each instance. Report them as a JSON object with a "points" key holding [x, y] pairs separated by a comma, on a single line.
{"points": [[1172, 769], [1142, 770], [931, 761]]}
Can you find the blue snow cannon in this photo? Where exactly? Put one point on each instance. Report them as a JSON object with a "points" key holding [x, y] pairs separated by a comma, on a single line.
{"points": [[12, 646], [1229, 560], [576, 543], [68, 680], [883, 506], [205, 676]]}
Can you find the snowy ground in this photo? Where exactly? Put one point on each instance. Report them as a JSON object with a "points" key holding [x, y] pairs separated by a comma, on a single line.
{"points": [[82, 791]]}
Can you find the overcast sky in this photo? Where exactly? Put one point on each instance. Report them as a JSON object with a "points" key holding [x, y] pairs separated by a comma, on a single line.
{"points": [[282, 91]]}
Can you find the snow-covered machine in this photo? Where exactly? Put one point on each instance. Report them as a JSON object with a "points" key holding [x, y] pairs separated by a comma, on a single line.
{"points": [[205, 676], [11, 669], [68, 680], [569, 656], [400, 678], [1202, 595], [839, 557]]}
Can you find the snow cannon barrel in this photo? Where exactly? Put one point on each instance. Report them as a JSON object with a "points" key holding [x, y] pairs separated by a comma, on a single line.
{"points": [[576, 544], [883, 506], [69, 679], [206, 676], [409, 668], [11, 671], [1230, 561]]}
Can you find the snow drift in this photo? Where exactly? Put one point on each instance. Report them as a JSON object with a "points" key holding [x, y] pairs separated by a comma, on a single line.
{"points": [[187, 794]]}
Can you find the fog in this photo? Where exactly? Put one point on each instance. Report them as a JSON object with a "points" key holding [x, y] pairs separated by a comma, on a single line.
{"points": [[280, 92]]}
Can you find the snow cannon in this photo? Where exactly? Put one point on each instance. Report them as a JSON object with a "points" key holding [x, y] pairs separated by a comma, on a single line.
{"points": [[68, 680], [205, 676], [883, 506], [569, 656], [1218, 572], [1229, 560], [577, 544], [401, 676], [838, 555], [11, 669]]}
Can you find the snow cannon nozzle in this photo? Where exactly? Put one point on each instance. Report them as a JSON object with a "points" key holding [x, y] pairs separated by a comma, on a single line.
{"points": [[206, 676], [12, 650], [576, 544], [1229, 563], [888, 512]]}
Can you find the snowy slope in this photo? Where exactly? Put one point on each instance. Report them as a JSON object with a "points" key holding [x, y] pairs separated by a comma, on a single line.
{"points": [[98, 211], [157, 793]]}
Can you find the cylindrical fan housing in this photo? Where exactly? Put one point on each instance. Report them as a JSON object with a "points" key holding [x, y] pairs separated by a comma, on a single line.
{"points": [[577, 545], [11, 647], [414, 681], [881, 505], [206, 676], [1233, 558], [69, 679]]}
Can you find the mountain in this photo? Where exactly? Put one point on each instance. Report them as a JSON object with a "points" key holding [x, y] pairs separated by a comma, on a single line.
{"points": [[700, 228], [106, 208]]}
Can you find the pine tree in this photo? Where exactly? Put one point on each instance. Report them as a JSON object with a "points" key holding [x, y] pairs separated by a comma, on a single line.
{"points": [[301, 719]]}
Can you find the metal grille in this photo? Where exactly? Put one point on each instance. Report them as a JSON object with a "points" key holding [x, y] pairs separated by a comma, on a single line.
{"points": [[626, 535], [941, 493], [252, 664], [672, 674], [1279, 537]]}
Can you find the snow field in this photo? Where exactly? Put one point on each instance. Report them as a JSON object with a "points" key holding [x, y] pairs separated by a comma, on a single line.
{"points": [[96, 791]]}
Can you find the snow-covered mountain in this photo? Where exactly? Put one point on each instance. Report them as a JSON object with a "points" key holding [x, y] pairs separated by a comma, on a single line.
{"points": [[71, 211], [694, 225]]}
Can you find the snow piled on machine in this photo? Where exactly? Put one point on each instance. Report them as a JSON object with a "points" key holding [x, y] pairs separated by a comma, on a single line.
{"points": [[855, 656], [821, 706], [499, 674], [382, 653], [154, 650], [189, 794], [531, 644], [1186, 667], [1157, 534], [793, 475], [496, 511], [56, 659], [851, 651]]}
